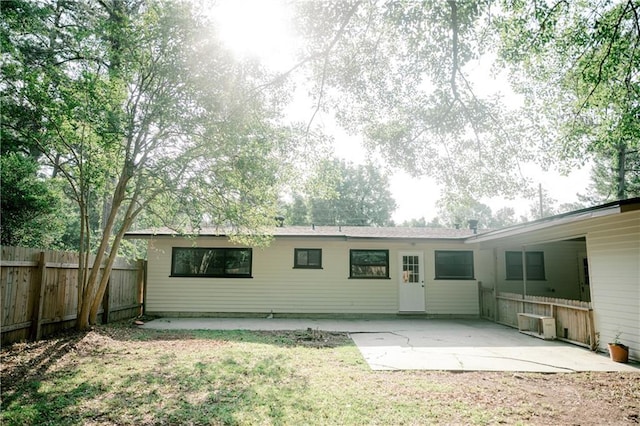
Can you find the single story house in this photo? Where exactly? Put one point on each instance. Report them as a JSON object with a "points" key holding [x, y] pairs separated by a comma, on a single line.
{"points": [[591, 256]]}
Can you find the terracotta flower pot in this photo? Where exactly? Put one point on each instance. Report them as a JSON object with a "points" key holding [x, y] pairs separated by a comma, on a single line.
{"points": [[619, 352]]}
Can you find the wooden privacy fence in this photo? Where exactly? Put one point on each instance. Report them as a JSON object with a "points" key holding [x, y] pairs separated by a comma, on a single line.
{"points": [[574, 318], [39, 291]]}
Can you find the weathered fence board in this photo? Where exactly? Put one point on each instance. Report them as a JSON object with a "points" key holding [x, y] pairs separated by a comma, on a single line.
{"points": [[39, 291], [487, 302], [574, 318]]}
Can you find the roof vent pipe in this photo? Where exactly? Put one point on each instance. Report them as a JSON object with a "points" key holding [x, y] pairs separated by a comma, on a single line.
{"points": [[473, 225]]}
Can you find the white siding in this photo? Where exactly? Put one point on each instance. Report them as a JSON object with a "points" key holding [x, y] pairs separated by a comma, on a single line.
{"points": [[614, 255], [276, 286]]}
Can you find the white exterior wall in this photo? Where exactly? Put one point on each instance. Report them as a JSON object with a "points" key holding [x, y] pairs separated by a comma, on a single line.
{"points": [[276, 286], [614, 264]]}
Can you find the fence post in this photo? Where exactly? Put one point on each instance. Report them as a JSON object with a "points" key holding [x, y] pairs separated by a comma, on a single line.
{"points": [[141, 281], [593, 343], [105, 303], [38, 297]]}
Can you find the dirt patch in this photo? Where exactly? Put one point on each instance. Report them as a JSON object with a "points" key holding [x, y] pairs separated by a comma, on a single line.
{"points": [[568, 398], [312, 338]]}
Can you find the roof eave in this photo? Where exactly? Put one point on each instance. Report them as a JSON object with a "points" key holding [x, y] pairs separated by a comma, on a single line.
{"points": [[543, 224]]}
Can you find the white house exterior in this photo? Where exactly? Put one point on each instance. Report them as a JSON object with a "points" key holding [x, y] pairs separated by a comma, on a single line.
{"points": [[591, 255], [275, 284]]}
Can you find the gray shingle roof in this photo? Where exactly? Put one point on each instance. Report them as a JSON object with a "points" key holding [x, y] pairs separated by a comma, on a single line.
{"points": [[325, 231]]}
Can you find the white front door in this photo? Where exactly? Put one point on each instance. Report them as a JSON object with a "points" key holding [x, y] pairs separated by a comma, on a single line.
{"points": [[411, 281]]}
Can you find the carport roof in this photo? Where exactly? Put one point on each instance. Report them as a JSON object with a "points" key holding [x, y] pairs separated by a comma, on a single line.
{"points": [[615, 207]]}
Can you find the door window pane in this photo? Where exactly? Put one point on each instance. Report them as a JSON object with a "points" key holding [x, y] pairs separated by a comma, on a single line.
{"points": [[410, 269]]}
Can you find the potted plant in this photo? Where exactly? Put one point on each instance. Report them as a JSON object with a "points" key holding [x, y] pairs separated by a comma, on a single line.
{"points": [[618, 351]]}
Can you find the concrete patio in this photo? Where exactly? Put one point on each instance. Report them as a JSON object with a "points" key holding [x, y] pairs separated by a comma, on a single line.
{"points": [[429, 344]]}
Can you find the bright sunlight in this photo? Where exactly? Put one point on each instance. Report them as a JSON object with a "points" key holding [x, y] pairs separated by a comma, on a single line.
{"points": [[255, 29]]}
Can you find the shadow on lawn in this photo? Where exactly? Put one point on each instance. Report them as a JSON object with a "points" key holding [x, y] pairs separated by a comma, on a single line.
{"points": [[29, 361], [24, 367], [39, 386]]}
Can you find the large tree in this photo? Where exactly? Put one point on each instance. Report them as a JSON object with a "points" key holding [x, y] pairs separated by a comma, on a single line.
{"points": [[139, 109], [402, 74], [605, 172], [577, 63], [399, 73]]}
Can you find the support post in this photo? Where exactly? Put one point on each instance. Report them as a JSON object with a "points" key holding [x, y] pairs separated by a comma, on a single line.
{"points": [[481, 299], [495, 285], [140, 278], [524, 272]]}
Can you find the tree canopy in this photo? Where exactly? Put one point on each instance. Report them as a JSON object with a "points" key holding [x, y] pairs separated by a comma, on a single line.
{"points": [[401, 74], [578, 66], [138, 108]]}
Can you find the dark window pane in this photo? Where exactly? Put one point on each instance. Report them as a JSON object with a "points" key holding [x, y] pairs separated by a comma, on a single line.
{"points": [[307, 258], [314, 257], [535, 265], [514, 265], [303, 257], [211, 262], [454, 265], [369, 263]]}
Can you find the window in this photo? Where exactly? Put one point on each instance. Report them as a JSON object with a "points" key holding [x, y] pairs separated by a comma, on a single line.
{"points": [[369, 263], [307, 258], [535, 265], [454, 265], [211, 262]]}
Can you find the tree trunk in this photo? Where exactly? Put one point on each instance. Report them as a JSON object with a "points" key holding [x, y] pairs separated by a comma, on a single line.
{"points": [[621, 183], [83, 262], [97, 300], [90, 292]]}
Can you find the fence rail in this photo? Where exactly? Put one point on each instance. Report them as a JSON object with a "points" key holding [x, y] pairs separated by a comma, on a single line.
{"points": [[39, 291], [574, 318]]}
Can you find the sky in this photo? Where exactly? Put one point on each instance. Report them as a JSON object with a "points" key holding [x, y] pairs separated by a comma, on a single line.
{"points": [[261, 28]]}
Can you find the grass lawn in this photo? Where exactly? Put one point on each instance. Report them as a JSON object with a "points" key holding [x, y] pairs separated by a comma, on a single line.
{"points": [[119, 374]]}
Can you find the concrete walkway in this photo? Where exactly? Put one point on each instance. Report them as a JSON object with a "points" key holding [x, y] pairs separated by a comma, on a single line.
{"points": [[429, 344]]}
